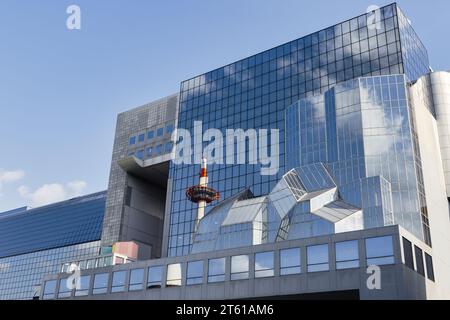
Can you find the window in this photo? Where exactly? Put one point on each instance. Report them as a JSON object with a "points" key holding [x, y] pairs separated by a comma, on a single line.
{"points": [[149, 151], [173, 275], [140, 154], [141, 137], [347, 256], [317, 258], [408, 254], [118, 281], [132, 140], [154, 279], [429, 264], [159, 149], [100, 283], [64, 291], [83, 290], [240, 267], [91, 264], [136, 279], [264, 264], [49, 289], [160, 132], [169, 129], [290, 261], [150, 135], [216, 270], [168, 147], [379, 251], [194, 272], [419, 260]]}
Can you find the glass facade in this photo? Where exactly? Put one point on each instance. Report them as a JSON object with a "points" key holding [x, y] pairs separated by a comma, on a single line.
{"points": [[364, 130], [37, 242], [253, 93]]}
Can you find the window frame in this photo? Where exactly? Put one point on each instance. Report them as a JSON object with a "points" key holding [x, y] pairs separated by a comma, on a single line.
{"points": [[322, 266], [264, 272], [290, 269], [216, 277], [345, 264], [136, 286]]}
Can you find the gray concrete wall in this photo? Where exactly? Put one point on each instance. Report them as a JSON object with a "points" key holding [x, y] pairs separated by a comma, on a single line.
{"points": [[397, 281], [119, 222]]}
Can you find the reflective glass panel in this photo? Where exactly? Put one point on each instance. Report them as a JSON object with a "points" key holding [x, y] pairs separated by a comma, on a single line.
{"points": [[136, 279], [317, 258], [118, 281], [49, 289], [379, 251], [240, 267], [155, 277], [173, 275], [64, 291], [264, 264], [83, 290], [100, 283], [194, 272], [216, 270], [290, 261], [347, 255]]}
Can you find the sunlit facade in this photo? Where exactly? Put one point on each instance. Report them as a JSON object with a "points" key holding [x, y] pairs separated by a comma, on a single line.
{"points": [[255, 92], [363, 179]]}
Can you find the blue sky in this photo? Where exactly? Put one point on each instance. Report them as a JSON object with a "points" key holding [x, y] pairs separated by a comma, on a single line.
{"points": [[60, 90]]}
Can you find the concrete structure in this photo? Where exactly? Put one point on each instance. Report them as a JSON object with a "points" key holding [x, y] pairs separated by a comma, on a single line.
{"points": [[138, 184]]}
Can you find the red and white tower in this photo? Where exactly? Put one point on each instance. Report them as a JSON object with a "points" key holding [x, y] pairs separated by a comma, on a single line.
{"points": [[201, 193]]}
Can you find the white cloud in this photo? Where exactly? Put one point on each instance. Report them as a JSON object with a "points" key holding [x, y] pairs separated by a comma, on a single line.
{"points": [[10, 176], [53, 192]]}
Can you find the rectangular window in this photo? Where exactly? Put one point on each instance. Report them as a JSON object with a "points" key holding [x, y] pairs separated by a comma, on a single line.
{"points": [[174, 275], [419, 260], [264, 264], [118, 281], [429, 264], [140, 154], [49, 290], [141, 137], [159, 148], [347, 255], [64, 291], [216, 270], [154, 278], [160, 132], [317, 258], [408, 254], [100, 283], [136, 279], [290, 261], [132, 140], [149, 151], [150, 135], [240, 266], [194, 272], [379, 251], [83, 290], [169, 129], [168, 147]]}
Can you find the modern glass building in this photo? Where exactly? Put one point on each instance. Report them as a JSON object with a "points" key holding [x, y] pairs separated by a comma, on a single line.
{"points": [[363, 179], [255, 92], [36, 242]]}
